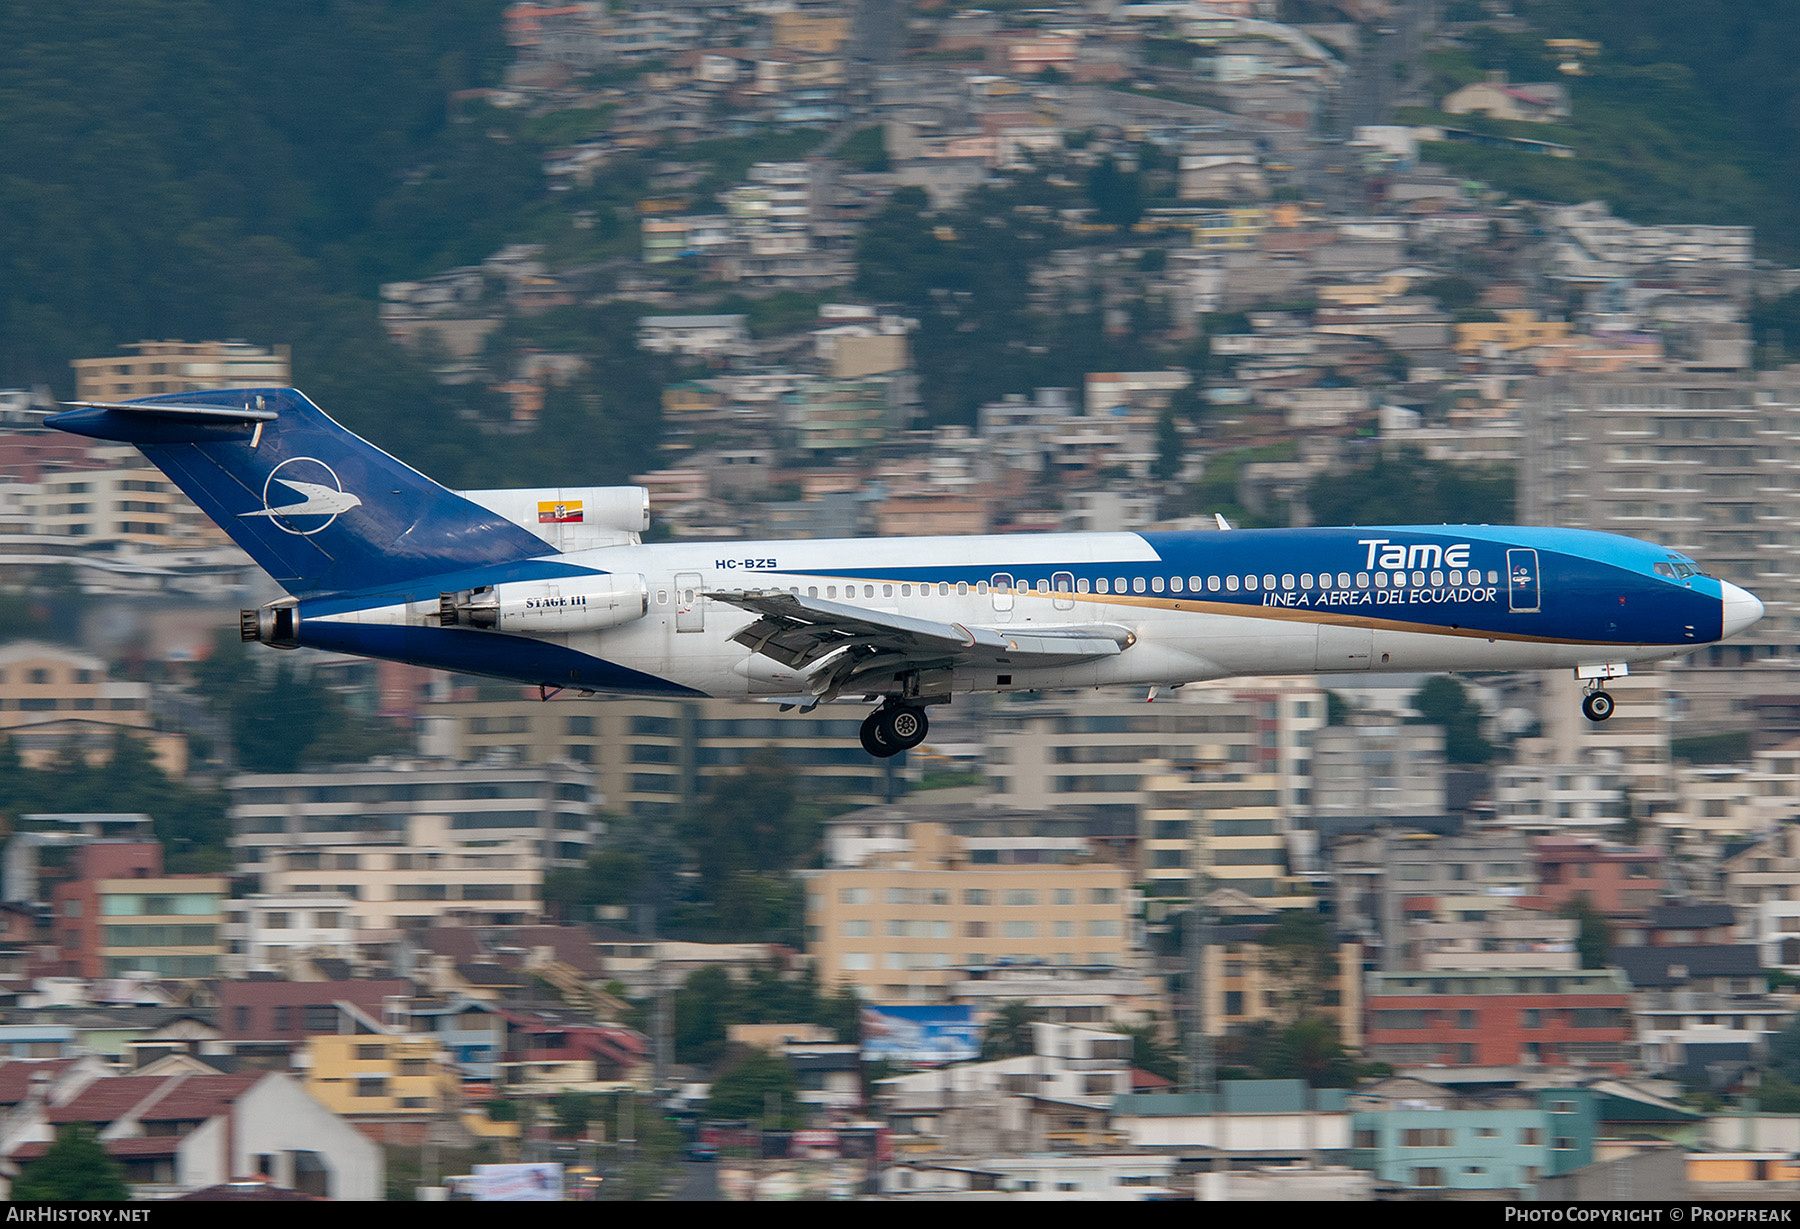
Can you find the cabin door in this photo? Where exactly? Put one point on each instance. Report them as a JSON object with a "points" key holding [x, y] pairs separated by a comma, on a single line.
{"points": [[690, 607]]}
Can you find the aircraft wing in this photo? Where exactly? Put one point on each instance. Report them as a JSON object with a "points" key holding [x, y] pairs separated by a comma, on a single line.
{"points": [[839, 647]]}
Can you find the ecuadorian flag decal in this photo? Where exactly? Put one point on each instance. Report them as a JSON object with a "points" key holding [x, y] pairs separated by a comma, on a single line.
{"points": [[552, 512]]}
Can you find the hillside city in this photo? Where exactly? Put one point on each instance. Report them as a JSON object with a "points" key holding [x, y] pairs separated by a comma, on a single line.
{"points": [[279, 923]]}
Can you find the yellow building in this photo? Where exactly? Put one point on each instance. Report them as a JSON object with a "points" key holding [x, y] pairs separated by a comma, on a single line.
{"points": [[1517, 329], [1246, 984], [51, 697], [375, 1074], [180, 367], [821, 34], [901, 923], [1237, 822]]}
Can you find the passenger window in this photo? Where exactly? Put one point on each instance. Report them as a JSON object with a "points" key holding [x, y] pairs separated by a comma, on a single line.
{"points": [[1287, 580], [1306, 580], [1156, 584], [1174, 584], [1269, 582], [1212, 583], [1250, 583], [1081, 586], [1137, 584], [1100, 586], [1231, 584]]}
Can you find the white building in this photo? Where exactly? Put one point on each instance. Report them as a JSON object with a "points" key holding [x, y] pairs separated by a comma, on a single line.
{"points": [[273, 933]]}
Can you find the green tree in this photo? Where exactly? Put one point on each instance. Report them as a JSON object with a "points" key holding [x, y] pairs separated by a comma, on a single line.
{"points": [[1443, 701], [1594, 935], [1117, 195], [1406, 488], [1149, 1052], [704, 1007], [761, 1082], [573, 1111], [75, 1169], [1170, 446], [1008, 1033], [1299, 955]]}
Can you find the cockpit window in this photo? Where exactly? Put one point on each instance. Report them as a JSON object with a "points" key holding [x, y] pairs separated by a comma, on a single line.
{"points": [[1680, 569], [1666, 569]]}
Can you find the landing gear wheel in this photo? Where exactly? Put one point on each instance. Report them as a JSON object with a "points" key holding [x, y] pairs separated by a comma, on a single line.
{"points": [[1596, 706], [905, 727], [889, 730], [872, 736]]}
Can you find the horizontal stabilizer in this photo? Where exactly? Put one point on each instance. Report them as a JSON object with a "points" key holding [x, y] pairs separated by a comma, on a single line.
{"points": [[165, 409]]}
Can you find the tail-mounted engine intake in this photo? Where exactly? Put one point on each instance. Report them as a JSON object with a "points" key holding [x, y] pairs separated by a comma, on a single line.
{"points": [[574, 604], [276, 625]]}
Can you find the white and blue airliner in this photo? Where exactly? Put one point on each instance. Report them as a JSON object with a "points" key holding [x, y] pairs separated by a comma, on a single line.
{"points": [[555, 588]]}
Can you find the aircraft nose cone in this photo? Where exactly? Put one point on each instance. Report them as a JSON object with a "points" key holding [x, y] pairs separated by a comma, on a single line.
{"points": [[1741, 608]]}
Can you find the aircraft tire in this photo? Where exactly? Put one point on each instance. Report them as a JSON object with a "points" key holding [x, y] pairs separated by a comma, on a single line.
{"points": [[873, 736], [905, 727], [1596, 706]]}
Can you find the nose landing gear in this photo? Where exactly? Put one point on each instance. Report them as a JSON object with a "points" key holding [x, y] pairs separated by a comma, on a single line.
{"points": [[1596, 705], [894, 728]]}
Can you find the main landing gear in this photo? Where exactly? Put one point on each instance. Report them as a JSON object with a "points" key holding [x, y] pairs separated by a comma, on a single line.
{"points": [[1596, 705], [894, 728]]}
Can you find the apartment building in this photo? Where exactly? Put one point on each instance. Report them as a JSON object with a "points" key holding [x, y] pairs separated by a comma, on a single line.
{"points": [[548, 807], [1386, 880], [1623, 881], [266, 933], [376, 1078], [904, 925], [657, 757], [1498, 1017], [121, 914], [433, 875], [1762, 881], [1091, 750], [1701, 462], [180, 367], [1377, 766], [1228, 824], [52, 697], [1246, 982]]}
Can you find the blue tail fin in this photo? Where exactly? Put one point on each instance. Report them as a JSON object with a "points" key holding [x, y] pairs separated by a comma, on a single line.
{"points": [[320, 509]]}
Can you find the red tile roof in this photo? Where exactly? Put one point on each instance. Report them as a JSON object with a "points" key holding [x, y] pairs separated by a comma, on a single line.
{"points": [[201, 1096], [178, 1097], [15, 1076], [108, 1099]]}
